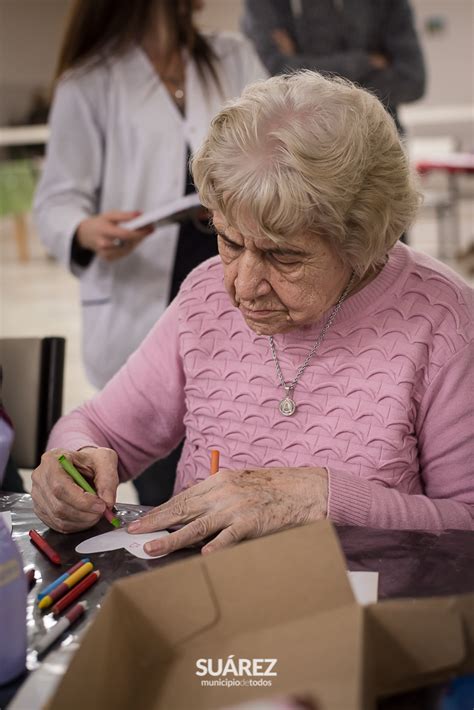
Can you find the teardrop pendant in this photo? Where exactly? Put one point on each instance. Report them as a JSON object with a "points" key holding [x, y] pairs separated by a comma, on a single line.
{"points": [[287, 407]]}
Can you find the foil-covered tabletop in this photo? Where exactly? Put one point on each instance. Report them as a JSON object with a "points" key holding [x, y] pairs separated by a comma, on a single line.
{"points": [[410, 564]]}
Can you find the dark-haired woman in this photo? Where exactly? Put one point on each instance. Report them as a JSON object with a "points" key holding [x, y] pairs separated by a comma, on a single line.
{"points": [[137, 85]]}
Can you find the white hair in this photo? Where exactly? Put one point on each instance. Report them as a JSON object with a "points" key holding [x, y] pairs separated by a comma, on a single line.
{"points": [[304, 154]]}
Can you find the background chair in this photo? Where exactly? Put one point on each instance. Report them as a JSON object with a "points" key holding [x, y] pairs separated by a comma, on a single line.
{"points": [[32, 393]]}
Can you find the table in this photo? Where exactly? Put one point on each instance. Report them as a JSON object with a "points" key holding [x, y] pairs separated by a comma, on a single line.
{"points": [[450, 163], [24, 135], [441, 118], [409, 564], [453, 165]]}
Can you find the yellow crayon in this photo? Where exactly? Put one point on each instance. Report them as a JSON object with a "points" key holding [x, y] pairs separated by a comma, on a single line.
{"points": [[65, 586]]}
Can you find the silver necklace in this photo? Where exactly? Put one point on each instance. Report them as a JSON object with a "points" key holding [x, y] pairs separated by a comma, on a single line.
{"points": [[287, 405]]}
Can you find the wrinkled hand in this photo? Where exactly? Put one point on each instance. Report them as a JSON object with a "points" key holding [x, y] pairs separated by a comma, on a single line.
{"points": [[237, 505], [102, 235], [60, 503], [284, 43]]}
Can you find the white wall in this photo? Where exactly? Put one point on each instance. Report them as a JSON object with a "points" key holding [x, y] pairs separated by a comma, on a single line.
{"points": [[221, 14], [30, 33], [449, 54]]}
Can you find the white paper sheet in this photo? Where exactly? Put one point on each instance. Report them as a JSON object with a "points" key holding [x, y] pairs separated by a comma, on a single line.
{"points": [[171, 212], [7, 519], [364, 586], [117, 539]]}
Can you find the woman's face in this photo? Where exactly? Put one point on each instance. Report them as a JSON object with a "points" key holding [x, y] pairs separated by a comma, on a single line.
{"points": [[279, 288]]}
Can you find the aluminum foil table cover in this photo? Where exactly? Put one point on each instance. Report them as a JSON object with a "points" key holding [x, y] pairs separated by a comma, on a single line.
{"points": [[412, 563], [409, 564]]}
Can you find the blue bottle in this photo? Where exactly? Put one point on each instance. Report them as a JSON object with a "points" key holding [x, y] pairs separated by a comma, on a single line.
{"points": [[13, 591]]}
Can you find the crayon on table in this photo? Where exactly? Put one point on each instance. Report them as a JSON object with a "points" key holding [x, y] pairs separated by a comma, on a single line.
{"points": [[214, 461], [65, 586], [60, 579], [75, 592], [39, 542], [86, 486], [63, 624]]}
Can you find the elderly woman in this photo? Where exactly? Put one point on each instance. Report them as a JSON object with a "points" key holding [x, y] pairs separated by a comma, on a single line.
{"points": [[328, 362]]}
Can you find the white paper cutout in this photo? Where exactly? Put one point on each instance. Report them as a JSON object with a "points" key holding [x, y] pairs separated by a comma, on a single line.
{"points": [[171, 212], [365, 586], [116, 539], [7, 519]]}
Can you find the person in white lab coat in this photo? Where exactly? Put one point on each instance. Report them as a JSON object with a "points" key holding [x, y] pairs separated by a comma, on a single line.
{"points": [[137, 86]]}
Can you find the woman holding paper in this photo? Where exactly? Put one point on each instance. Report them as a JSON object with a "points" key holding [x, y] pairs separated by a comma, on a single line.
{"points": [[137, 85], [326, 361]]}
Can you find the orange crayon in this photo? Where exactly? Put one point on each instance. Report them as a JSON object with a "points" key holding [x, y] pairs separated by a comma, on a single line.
{"points": [[214, 461]]}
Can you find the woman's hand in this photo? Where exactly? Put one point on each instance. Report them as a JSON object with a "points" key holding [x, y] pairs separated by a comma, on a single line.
{"points": [[237, 505], [378, 61], [61, 503], [102, 235], [284, 43]]}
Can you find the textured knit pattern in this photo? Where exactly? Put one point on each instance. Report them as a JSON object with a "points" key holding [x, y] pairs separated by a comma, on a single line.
{"points": [[385, 405]]}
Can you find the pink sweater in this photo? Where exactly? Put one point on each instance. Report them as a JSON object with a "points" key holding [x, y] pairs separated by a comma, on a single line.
{"points": [[386, 404]]}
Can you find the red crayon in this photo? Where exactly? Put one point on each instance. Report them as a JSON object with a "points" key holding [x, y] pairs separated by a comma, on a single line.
{"points": [[46, 590], [75, 592], [65, 586], [39, 542]]}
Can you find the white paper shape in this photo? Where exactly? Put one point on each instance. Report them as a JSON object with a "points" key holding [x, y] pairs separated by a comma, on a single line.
{"points": [[116, 539], [7, 519], [365, 586]]}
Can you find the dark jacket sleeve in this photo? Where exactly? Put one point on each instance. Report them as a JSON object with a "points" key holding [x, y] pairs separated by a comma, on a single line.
{"points": [[404, 80], [263, 16], [260, 18]]}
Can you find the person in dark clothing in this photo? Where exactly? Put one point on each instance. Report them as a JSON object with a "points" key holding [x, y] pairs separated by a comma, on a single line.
{"points": [[371, 42]]}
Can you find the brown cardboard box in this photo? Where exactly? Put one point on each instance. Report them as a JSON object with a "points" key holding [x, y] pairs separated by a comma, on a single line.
{"points": [[283, 597]]}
